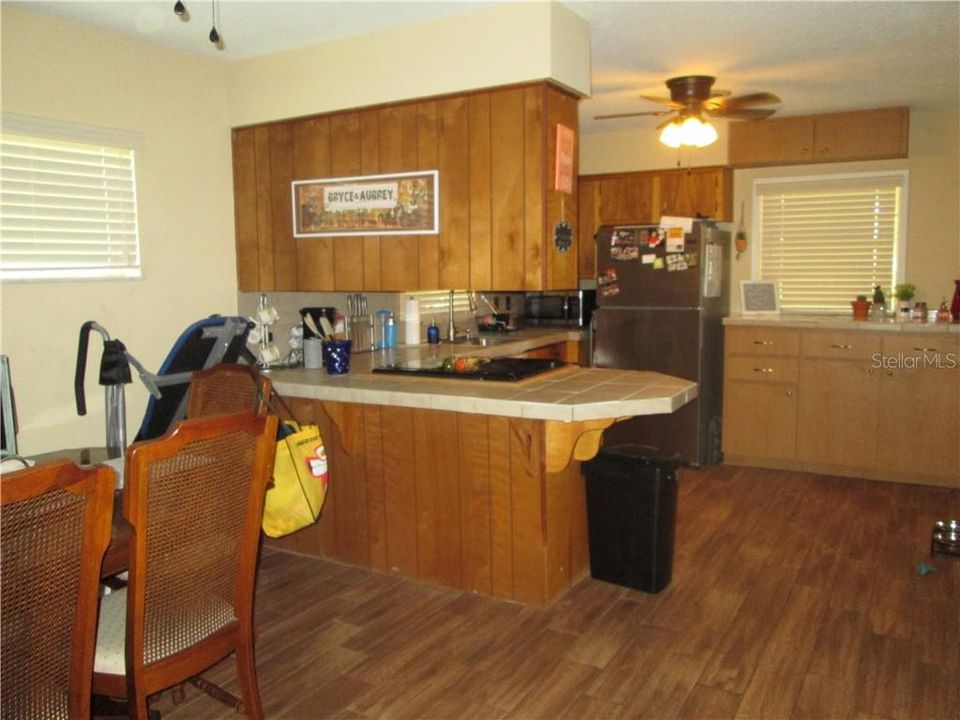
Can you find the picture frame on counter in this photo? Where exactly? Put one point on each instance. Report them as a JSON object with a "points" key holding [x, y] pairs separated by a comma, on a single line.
{"points": [[392, 204], [759, 297]]}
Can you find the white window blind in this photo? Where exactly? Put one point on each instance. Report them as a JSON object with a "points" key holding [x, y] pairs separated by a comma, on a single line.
{"points": [[437, 302], [826, 240], [68, 208]]}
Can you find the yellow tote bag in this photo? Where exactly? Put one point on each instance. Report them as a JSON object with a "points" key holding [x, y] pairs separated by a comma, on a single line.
{"points": [[300, 480]]}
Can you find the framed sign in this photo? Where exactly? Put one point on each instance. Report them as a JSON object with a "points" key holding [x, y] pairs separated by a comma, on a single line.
{"points": [[759, 297], [396, 204]]}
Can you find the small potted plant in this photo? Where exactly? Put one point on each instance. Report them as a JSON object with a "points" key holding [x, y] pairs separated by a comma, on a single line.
{"points": [[861, 307], [904, 293]]}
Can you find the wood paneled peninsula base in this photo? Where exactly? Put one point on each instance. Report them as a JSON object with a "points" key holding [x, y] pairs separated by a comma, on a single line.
{"points": [[469, 484]]}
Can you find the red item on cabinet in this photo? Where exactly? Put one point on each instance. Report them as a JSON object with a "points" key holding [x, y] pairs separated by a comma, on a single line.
{"points": [[955, 305]]}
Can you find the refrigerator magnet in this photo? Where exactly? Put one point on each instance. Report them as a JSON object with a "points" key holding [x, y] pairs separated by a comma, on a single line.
{"points": [[609, 290], [658, 263], [648, 258], [607, 276], [675, 238]]}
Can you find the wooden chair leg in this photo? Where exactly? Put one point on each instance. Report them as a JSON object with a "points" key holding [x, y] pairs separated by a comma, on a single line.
{"points": [[247, 672]]}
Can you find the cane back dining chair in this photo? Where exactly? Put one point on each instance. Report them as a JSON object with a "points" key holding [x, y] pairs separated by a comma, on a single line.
{"points": [[227, 388], [55, 528], [195, 500]]}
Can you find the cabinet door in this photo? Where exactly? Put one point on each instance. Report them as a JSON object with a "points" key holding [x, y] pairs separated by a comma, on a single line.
{"points": [[695, 193], [838, 413], [626, 199], [920, 406], [589, 220], [862, 135], [760, 420], [771, 142]]}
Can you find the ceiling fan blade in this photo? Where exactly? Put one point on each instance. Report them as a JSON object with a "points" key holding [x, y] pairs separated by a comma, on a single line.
{"points": [[662, 101], [666, 122], [634, 114], [741, 113], [741, 101]]}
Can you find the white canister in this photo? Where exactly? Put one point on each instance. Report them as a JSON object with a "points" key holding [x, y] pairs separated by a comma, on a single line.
{"points": [[312, 353], [411, 322]]}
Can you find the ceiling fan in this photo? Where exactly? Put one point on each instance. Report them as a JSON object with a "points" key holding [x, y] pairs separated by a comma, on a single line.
{"points": [[692, 97]]}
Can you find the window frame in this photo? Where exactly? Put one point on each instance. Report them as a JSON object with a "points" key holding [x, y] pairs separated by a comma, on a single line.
{"points": [[900, 240], [69, 132]]}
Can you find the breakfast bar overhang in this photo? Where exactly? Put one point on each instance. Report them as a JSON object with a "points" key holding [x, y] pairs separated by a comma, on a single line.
{"points": [[468, 484]]}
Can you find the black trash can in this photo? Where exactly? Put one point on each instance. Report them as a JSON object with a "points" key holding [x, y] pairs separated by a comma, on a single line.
{"points": [[632, 515]]}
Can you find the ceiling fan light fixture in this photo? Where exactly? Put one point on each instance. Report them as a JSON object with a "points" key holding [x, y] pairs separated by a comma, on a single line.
{"points": [[690, 130]]}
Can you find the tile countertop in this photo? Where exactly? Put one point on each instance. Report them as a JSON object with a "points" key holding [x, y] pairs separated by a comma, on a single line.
{"points": [[835, 322], [568, 394]]}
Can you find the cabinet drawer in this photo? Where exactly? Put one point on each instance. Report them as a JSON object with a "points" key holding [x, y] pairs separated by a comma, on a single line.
{"points": [[762, 341], [762, 369], [840, 345], [921, 345]]}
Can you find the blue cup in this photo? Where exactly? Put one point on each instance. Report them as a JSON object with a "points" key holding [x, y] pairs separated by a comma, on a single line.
{"points": [[337, 356]]}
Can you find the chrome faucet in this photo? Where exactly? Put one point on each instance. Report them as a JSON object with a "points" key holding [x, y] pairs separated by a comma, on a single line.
{"points": [[451, 328]]}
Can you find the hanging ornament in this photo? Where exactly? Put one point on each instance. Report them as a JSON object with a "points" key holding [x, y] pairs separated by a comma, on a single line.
{"points": [[741, 236]]}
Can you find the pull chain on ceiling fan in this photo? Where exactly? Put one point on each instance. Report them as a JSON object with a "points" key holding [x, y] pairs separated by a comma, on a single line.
{"points": [[692, 97]]}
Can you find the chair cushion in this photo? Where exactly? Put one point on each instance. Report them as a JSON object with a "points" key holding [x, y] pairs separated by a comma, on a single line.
{"points": [[111, 633], [214, 615]]}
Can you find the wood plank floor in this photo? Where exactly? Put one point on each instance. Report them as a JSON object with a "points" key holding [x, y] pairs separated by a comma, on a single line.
{"points": [[793, 596]]}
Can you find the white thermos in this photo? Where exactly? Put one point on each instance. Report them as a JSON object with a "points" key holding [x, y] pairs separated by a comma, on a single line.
{"points": [[411, 321]]}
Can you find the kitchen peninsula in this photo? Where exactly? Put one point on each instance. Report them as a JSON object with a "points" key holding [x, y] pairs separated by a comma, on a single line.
{"points": [[471, 484]]}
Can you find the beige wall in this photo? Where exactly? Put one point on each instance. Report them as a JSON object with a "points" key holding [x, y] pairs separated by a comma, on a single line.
{"points": [[500, 45], [178, 103], [933, 213]]}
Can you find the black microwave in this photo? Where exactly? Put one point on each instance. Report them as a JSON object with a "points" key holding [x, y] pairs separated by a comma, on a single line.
{"points": [[564, 308]]}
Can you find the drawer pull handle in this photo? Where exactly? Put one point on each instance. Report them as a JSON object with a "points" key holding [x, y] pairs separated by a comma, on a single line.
{"points": [[763, 342], [925, 349], [763, 370], [841, 346]]}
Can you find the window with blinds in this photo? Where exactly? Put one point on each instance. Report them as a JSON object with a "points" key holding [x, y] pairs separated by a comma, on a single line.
{"points": [[827, 239], [68, 206]]}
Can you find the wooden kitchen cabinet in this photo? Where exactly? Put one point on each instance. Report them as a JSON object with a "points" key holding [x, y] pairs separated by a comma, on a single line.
{"points": [[643, 197], [568, 352], [625, 198], [839, 403], [876, 404], [495, 154], [694, 192], [832, 137], [760, 393], [919, 405]]}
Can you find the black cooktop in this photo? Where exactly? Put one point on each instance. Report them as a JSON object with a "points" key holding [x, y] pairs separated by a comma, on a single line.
{"points": [[501, 369]]}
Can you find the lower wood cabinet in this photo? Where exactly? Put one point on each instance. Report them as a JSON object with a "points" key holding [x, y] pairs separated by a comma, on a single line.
{"points": [[919, 390], [881, 404], [838, 414], [468, 501]]}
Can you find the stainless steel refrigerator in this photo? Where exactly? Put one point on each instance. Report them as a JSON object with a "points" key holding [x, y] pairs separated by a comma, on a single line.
{"points": [[661, 298]]}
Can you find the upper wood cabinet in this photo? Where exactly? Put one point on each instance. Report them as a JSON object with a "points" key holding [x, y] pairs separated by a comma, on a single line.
{"points": [[495, 154], [834, 137], [643, 197]]}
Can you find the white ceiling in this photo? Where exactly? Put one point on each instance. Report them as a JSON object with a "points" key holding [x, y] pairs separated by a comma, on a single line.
{"points": [[817, 56]]}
